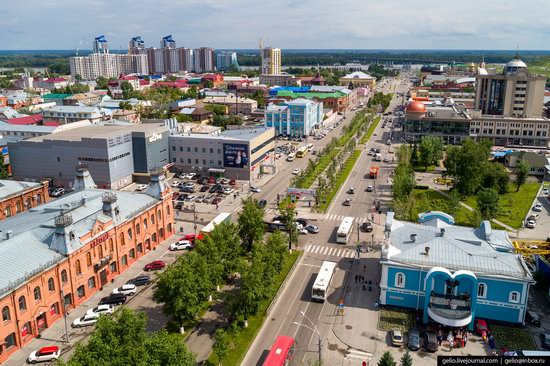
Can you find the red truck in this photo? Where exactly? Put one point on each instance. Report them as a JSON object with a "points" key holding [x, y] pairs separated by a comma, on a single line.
{"points": [[374, 171]]}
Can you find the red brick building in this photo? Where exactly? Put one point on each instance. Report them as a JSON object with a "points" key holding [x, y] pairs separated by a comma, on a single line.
{"points": [[16, 197]]}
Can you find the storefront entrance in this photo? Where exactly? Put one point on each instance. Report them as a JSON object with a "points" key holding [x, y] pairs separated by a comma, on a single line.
{"points": [[41, 322], [103, 277]]}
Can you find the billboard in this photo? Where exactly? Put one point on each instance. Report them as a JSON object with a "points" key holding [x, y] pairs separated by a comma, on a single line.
{"points": [[235, 155]]}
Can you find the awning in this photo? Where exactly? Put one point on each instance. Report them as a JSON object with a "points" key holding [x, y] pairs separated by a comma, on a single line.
{"points": [[216, 170]]}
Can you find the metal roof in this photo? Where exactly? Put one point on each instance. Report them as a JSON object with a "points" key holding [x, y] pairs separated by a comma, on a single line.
{"points": [[10, 187]]}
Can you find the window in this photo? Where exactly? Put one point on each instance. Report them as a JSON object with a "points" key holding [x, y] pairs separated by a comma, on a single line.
{"points": [[132, 253], [91, 282], [39, 199], [173, 148], [124, 260], [153, 219], [54, 309], [188, 149], [514, 297], [145, 223], [181, 148], [159, 215], [37, 294], [88, 259], [100, 250], [64, 276], [22, 303], [80, 291], [18, 207], [113, 266], [154, 237], [130, 234], [168, 210], [188, 161], [51, 285], [122, 239], [6, 314], [196, 149], [399, 280], [137, 229], [169, 228], [140, 248], [77, 267], [7, 211], [211, 151]]}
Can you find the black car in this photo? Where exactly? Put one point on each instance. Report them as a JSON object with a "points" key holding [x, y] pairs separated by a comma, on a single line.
{"points": [[202, 180], [140, 280], [262, 203], [113, 299], [366, 227], [532, 318], [187, 190], [430, 342], [545, 340], [302, 222], [204, 188], [178, 206], [413, 341], [213, 189]]}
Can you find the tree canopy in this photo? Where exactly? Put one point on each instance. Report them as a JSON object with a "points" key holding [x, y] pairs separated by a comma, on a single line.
{"points": [[488, 203], [522, 172], [251, 222]]}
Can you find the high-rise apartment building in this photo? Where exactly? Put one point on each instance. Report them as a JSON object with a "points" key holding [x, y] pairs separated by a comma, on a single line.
{"points": [[515, 92], [270, 60], [203, 59], [167, 42], [101, 45], [186, 59], [225, 60], [136, 45]]}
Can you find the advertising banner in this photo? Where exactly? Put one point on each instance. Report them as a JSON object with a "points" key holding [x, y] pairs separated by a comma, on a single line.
{"points": [[235, 155]]}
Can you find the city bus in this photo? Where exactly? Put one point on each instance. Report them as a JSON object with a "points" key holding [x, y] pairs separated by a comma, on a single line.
{"points": [[281, 352], [301, 152], [321, 285], [309, 147], [344, 231], [222, 217], [291, 157]]}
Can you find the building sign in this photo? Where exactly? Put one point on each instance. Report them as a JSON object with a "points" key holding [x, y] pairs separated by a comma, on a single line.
{"points": [[99, 240], [301, 192], [235, 155], [155, 137]]}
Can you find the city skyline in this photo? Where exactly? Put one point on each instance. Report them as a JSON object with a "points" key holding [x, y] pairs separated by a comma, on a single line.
{"points": [[353, 25]]}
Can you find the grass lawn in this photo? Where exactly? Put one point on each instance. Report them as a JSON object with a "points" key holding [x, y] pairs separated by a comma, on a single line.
{"points": [[422, 169], [515, 205], [512, 338], [395, 319], [366, 137], [341, 177], [320, 167], [244, 339], [430, 200]]}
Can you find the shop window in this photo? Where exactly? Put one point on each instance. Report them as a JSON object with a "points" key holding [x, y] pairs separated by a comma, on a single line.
{"points": [[64, 276], [68, 299], [37, 294], [26, 329], [88, 259], [9, 341], [22, 303], [80, 291], [91, 282], [6, 314], [51, 284], [54, 309], [124, 260]]}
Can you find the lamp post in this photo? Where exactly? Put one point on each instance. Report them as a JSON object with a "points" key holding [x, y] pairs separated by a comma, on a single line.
{"points": [[314, 329], [195, 218]]}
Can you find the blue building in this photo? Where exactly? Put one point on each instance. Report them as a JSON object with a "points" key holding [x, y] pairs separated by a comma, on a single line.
{"points": [[225, 60], [297, 118], [455, 274]]}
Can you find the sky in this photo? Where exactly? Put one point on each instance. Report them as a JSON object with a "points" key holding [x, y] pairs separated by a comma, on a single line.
{"points": [[313, 24]]}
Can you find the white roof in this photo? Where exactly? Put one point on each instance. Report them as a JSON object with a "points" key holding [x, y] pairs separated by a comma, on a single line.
{"points": [[358, 75]]}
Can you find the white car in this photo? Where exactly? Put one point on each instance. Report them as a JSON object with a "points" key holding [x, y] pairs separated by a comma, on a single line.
{"points": [[85, 321], [191, 175], [45, 354], [181, 245], [227, 190], [531, 224], [537, 207], [370, 188], [296, 171], [101, 309], [255, 189], [141, 187], [175, 183], [57, 192], [127, 289]]}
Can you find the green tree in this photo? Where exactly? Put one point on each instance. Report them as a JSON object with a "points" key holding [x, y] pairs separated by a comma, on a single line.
{"points": [[522, 171], [466, 164], [4, 174], [259, 97], [208, 84], [275, 246], [488, 203], [495, 176], [453, 204], [386, 359], [127, 89], [102, 83], [215, 109], [253, 287], [431, 150], [414, 155], [221, 344], [251, 222], [406, 359], [182, 117], [122, 340], [287, 211], [125, 105]]}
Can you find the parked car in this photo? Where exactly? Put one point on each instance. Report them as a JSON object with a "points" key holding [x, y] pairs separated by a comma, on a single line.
{"points": [[175, 183], [227, 190], [178, 206], [85, 321], [203, 180], [537, 207], [190, 198], [101, 309], [200, 198], [296, 171], [262, 203], [216, 200], [141, 187], [211, 180], [175, 195], [312, 229], [141, 280], [188, 184], [126, 289], [347, 202], [532, 318], [155, 265], [545, 340], [255, 189], [396, 338], [534, 217], [413, 341], [191, 175], [57, 192], [232, 182], [430, 342], [531, 224], [204, 188], [45, 354], [181, 245], [113, 299], [367, 227]]}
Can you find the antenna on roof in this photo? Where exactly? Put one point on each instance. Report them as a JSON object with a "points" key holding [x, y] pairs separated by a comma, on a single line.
{"points": [[517, 51]]}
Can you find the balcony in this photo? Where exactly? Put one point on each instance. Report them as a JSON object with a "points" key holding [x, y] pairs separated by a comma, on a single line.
{"points": [[453, 311]]}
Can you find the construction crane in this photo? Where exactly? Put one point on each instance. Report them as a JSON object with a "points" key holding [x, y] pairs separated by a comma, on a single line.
{"points": [[532, 247]]}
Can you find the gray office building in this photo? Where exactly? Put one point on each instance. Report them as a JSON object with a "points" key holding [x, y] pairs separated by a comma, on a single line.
{"points": [[113, 154]]}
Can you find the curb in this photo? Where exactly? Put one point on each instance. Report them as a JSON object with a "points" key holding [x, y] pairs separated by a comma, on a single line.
{"points": [[283, 285]]}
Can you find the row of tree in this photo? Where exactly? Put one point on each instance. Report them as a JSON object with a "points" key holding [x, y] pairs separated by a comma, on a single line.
{"points": [[403, 184], [379, 98], [430, 151], [388, 360]]}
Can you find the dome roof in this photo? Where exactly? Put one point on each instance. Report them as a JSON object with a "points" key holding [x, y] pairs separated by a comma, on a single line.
{"points": [[416, 107], [516, 63]]}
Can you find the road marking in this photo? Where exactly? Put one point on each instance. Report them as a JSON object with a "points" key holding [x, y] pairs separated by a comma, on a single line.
{"points": [[307, 248], [356, 354], [326, 250], [330, 251], [339, 253], [317, 249]]}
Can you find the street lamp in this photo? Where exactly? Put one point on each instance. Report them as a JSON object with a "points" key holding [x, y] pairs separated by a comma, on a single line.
{"points": [[314, 330]]}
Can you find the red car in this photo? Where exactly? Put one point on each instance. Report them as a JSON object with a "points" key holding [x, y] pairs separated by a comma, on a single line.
{"points": [[211, 180], [481, 326], [175, 195], [192, 237], [232, 182], [216, 200], [154, 266]]}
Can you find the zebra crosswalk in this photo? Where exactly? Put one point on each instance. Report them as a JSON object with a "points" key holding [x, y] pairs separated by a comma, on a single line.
{"points": [[358, 355], [334, 217], [329, 251]]}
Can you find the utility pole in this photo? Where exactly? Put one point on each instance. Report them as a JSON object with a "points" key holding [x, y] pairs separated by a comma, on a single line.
{"points": [[65, 316], [195, 218]]}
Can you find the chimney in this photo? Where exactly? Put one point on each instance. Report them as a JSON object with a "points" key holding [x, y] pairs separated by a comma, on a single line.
{"points": [[8, 234], [426, 250], [110, 207], [413, 237], [83, 200], [442, 231]]}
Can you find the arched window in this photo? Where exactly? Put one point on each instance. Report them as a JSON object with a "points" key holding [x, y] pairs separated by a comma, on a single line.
{"points": [[39, 199], [400, 279], [514, 297], [168, 210], [122, 239], [7, 211], [145, 224], [159, 216], [129, 234], [28, 203], [37, 294], [18, 207], [64, 276], [51, 284], [481, 290], [22, 303], [111, 247], [100, 251], [77, 267], [152, 219], [88, 259], [169, 228], [6, 314], [154, 237], [137, 229]]}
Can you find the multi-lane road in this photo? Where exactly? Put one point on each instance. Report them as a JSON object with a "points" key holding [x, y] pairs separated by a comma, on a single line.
{"points": [[296, 296]]}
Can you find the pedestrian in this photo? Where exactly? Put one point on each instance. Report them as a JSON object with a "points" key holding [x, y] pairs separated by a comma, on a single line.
{"points": [[451, 340]]}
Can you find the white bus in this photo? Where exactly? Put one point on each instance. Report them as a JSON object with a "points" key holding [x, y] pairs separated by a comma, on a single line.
{"points": [[309, 147], [222, 217], [321, 285], [344, 231], [291, 157]]}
